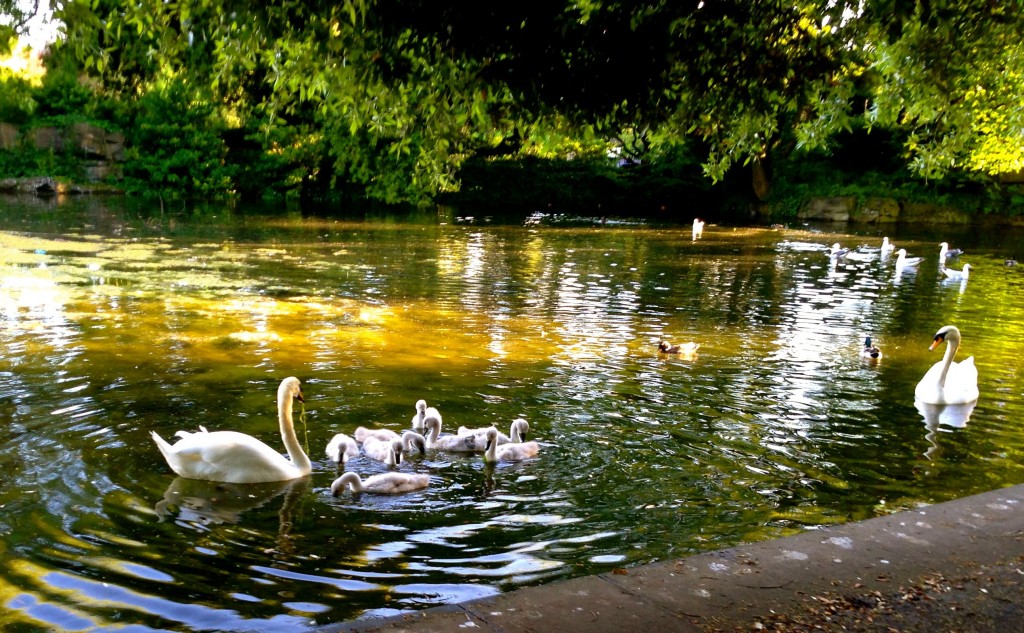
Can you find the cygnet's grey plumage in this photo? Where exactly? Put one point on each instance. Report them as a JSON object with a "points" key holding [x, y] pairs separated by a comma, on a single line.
{"points": [[382, 484], [516, 433], [361, 433], [387, 451], [342, 448], [511, 452]]}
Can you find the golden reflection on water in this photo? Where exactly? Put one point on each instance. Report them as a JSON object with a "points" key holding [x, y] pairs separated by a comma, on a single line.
{"points": [[774, 426]]}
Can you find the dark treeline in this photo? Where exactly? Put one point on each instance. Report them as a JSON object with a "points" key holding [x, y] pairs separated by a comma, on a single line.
{"points": [[596, 104]]}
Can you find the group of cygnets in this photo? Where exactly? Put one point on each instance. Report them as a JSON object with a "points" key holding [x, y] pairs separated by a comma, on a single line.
{"points": [[234, 457], [389, 447]]}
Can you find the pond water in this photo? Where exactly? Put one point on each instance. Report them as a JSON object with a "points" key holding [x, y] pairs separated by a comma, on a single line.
{"points": [[116, 321]]}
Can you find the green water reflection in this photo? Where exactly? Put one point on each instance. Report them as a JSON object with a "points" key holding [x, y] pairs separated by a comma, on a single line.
{"points": [[115, 322]]}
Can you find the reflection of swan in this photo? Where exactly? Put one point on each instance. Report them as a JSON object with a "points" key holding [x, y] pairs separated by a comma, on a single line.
{"points": [[951, 415], [948, 382], [508, 452], [903, 262], [516, 433], [870, 352], [387, 451], [957, 274], [383, 484], [210, 502], [417, 420], [698, 228], [235, 457], [342, 448]]}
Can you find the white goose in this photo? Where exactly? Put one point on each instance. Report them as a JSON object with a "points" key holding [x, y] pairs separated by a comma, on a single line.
{"points": [[383, 484], [957, 274], [508, 452], [342, 448], [948, 382], [234, 457]]}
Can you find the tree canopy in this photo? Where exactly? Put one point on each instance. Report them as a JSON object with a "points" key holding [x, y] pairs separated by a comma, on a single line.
{"points": [[397, 94]]}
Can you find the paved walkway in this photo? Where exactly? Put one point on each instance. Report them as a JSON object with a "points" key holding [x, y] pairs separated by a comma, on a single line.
{"points": [[956, 566]]}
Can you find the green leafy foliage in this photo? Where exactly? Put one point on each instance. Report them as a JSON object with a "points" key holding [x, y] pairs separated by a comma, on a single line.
{"points": [[175, 146]]}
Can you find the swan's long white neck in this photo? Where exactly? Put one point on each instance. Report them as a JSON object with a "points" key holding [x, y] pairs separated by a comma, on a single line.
{"points": [[291, 443], [952, 343]]}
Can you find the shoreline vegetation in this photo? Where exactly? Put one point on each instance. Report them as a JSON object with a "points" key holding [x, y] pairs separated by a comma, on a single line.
{"points": [[827, 111]]}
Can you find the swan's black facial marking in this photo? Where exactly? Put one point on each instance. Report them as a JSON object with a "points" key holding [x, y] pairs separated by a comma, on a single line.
{"points": [[939, 339], [298, 396]]}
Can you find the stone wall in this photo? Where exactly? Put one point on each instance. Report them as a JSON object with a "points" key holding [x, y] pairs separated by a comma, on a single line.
{"points": [[101, 152], [890, 210]]}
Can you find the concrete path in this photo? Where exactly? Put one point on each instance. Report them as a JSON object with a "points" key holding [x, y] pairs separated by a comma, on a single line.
{"points": [[952, 566]]}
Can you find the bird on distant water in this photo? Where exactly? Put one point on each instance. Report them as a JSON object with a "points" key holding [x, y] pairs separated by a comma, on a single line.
{"points": [[945, 251], [698, 228], [683, 349], [836, 252], [902, 261], [957, 274], [887, 246], [870, 352]]}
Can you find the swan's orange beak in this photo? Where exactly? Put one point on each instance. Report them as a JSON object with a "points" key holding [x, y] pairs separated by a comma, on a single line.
{"points": [[938, 341]]}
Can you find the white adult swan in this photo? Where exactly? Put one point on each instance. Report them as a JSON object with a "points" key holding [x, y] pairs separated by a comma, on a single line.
{"points": [[342, 448], [948, 382], [508, 452], [237, 458], [383, 484]]}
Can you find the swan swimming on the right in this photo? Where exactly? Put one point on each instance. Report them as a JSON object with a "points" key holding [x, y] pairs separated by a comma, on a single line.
{"points": [[948, 382], [508, 452], [383, 484]]}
